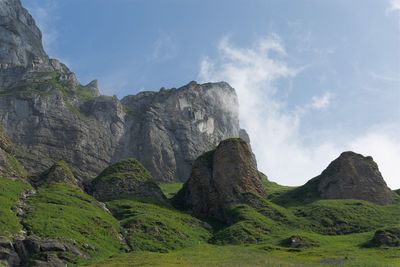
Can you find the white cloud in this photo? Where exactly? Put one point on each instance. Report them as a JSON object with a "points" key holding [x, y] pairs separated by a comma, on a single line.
{"points": [[165, 48], [281, 149], [321, 102], [394, 6]]}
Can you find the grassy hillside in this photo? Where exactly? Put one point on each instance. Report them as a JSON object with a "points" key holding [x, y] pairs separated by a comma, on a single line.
{"points": [[170, 189], [62, 212], [155, 228], [10, 192]]}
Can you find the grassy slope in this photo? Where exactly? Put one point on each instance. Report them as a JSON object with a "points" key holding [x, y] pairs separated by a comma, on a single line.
{"points": [[154, 228], [10, 192], [259, 240], [170, 189], [62, 212]]}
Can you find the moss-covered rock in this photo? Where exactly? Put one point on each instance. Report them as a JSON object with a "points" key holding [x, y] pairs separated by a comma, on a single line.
{"points": [[126, 179], [387, 237], [58, 173]]}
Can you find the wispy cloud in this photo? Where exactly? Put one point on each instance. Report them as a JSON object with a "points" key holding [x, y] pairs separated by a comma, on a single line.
{"points": [[394, 6], [283, 151], [165, 48], [321, 102]]}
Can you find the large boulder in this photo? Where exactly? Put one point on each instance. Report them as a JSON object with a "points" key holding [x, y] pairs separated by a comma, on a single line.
{"points": [[219, 179], [353, 176], [387, 237], [126, 179]]}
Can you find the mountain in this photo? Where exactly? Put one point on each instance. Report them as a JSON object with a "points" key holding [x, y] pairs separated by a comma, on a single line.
{"points": [[96, 173], [50, 116]]}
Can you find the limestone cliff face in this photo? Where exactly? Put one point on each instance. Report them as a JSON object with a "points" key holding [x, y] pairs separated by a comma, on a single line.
{"points": [[50, 116], [169, 129]]}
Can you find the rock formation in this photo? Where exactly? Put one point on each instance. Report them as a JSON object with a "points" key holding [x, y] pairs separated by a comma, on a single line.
{"points": [[387, 237], [51, 117], [126, 179], [220, 178], [350, 176], [58, 173], [353, 176]]}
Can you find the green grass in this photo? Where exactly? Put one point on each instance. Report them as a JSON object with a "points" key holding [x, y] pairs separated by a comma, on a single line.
{"points": [[154, 228], [14, 167], [170, 189], [201, 255], [62, 212], [10, 192], [129, 168], [273, 189], [262, 255], [347, 216]]}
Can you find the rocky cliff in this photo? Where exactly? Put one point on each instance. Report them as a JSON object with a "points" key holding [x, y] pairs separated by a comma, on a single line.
{"points": [[51, 117], [219, 179]]}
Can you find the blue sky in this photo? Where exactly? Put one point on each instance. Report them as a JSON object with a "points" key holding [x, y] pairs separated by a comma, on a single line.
{"points": [[314, 78]]}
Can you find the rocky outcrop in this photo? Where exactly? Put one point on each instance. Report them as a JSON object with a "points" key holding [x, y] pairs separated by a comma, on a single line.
{"points": [[353, 176], [387, 237], [350, 176], [33, 251], [58, 173], [219, 179], [126, 179]]}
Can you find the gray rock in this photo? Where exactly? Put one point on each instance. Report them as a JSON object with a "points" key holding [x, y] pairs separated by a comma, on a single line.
{"points": [[353, 176], [52, 246], [219, 179]]}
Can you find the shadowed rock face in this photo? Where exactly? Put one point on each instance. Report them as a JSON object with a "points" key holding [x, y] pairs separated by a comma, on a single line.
{"points": [[353, 176], [50, 116], [219, 179]]}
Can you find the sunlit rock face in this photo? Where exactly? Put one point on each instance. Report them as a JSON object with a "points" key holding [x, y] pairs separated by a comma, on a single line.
{"points": [[169, 129]]}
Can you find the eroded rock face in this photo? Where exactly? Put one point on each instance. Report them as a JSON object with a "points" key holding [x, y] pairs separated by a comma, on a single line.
{"points": [[51, 117], [353, 176], [126, 179], [220, 178]]}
